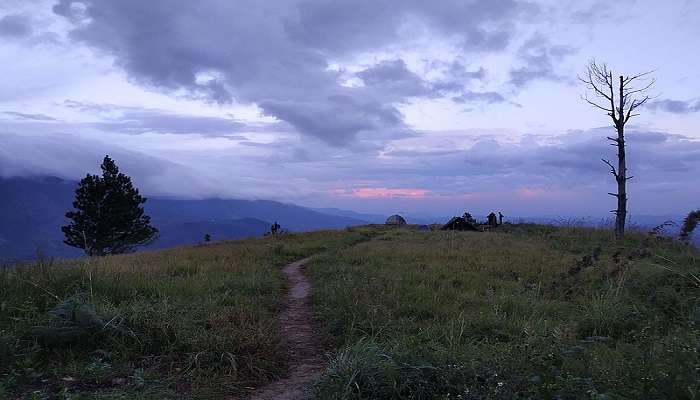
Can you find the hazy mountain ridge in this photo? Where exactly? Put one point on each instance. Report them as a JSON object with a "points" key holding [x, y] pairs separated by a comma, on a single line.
{"points": [[32, 211]]}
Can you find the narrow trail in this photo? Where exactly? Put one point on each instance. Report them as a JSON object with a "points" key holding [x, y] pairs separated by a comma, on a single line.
{"points": [[303, 345]]}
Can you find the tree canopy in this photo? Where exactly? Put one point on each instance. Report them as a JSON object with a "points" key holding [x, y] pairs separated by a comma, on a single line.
{"points": [[108, 215]]}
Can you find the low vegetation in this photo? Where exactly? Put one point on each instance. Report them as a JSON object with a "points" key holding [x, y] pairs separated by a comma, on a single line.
{"points": [[525, 311], [193, 322]]}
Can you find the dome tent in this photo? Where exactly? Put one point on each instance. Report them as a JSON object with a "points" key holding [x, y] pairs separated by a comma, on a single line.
{"points": [[395, 220]]}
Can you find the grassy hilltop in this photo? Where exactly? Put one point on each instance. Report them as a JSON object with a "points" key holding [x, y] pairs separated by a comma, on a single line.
{"points": [[526, 311]]}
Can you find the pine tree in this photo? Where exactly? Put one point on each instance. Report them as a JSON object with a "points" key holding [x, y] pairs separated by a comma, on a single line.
{"points": [[108, 216]]}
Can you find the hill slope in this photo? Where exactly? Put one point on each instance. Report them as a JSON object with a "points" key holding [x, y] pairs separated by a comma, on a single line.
{"points": [[525, 311]]}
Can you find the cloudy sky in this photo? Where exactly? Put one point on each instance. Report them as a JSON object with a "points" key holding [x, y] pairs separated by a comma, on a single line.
{"points": [[428, 107]]}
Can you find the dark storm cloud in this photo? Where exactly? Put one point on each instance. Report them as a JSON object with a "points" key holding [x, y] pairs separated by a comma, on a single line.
{"points": [[675, 106], [277, 55], [539, 59], [15, 26]]}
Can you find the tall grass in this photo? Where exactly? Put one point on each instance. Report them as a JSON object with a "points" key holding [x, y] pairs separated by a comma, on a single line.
{"points": [[525, 312], [187, 322]]}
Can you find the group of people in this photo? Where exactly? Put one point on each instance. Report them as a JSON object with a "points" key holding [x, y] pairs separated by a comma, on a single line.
{"points": [[493, 220]]}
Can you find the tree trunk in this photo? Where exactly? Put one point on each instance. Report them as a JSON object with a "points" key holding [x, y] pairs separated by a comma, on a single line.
{"points": [[621, 212]]}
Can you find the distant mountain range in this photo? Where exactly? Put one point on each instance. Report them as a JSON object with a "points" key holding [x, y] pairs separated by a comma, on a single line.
{"points": [[32, 212]]}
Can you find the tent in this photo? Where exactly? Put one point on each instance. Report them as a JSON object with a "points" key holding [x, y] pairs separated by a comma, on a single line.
{"points": [[395, 220]]}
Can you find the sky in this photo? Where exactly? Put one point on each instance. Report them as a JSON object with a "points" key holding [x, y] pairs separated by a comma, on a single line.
{"points": [[430, 108]]}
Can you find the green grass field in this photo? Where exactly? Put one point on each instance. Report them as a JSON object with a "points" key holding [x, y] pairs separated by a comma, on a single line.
{"points": [[193, 322], [527, 311]]}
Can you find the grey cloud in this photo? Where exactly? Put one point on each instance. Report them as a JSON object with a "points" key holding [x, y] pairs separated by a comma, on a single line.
{"points": [[142, 121], [89, 107], [31, 117], [72, 156], [15, 26], [595, 11], [575, 158], [592, 12], [457, 76], [540, 60], [65, 155], [396, 82], [318, 119], [675, 106], [135, 120], [394, 77], [300, 168], [344, 25], [485, 97], [570, 162], [457, 70], [423, 153], [277, 57]]}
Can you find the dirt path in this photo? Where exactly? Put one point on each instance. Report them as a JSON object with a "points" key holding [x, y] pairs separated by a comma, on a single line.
{"points": [[303, 346]]}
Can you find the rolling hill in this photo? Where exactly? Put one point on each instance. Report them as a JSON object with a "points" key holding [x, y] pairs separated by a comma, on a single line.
{"points": [[523, 311]]}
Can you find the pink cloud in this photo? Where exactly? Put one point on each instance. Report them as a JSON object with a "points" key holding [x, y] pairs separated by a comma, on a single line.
{"points": [[381, 193], [535, 193]]}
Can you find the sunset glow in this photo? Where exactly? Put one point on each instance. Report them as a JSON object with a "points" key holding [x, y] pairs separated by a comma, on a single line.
{"points": [[381, 193]]}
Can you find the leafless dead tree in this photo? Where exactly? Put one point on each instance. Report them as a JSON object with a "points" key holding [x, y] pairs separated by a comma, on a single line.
{"points": [[620, 103]]}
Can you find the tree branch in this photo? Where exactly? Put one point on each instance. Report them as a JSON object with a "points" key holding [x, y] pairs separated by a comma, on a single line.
{"points": [[612, 168], [594, 104]]}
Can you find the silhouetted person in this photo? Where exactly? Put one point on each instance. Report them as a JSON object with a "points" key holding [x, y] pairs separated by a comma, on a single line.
{"points": [[500, 218], [274, 229]]}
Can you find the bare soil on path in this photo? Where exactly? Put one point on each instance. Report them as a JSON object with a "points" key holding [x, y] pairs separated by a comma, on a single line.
{"points": [[304, 350]]}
